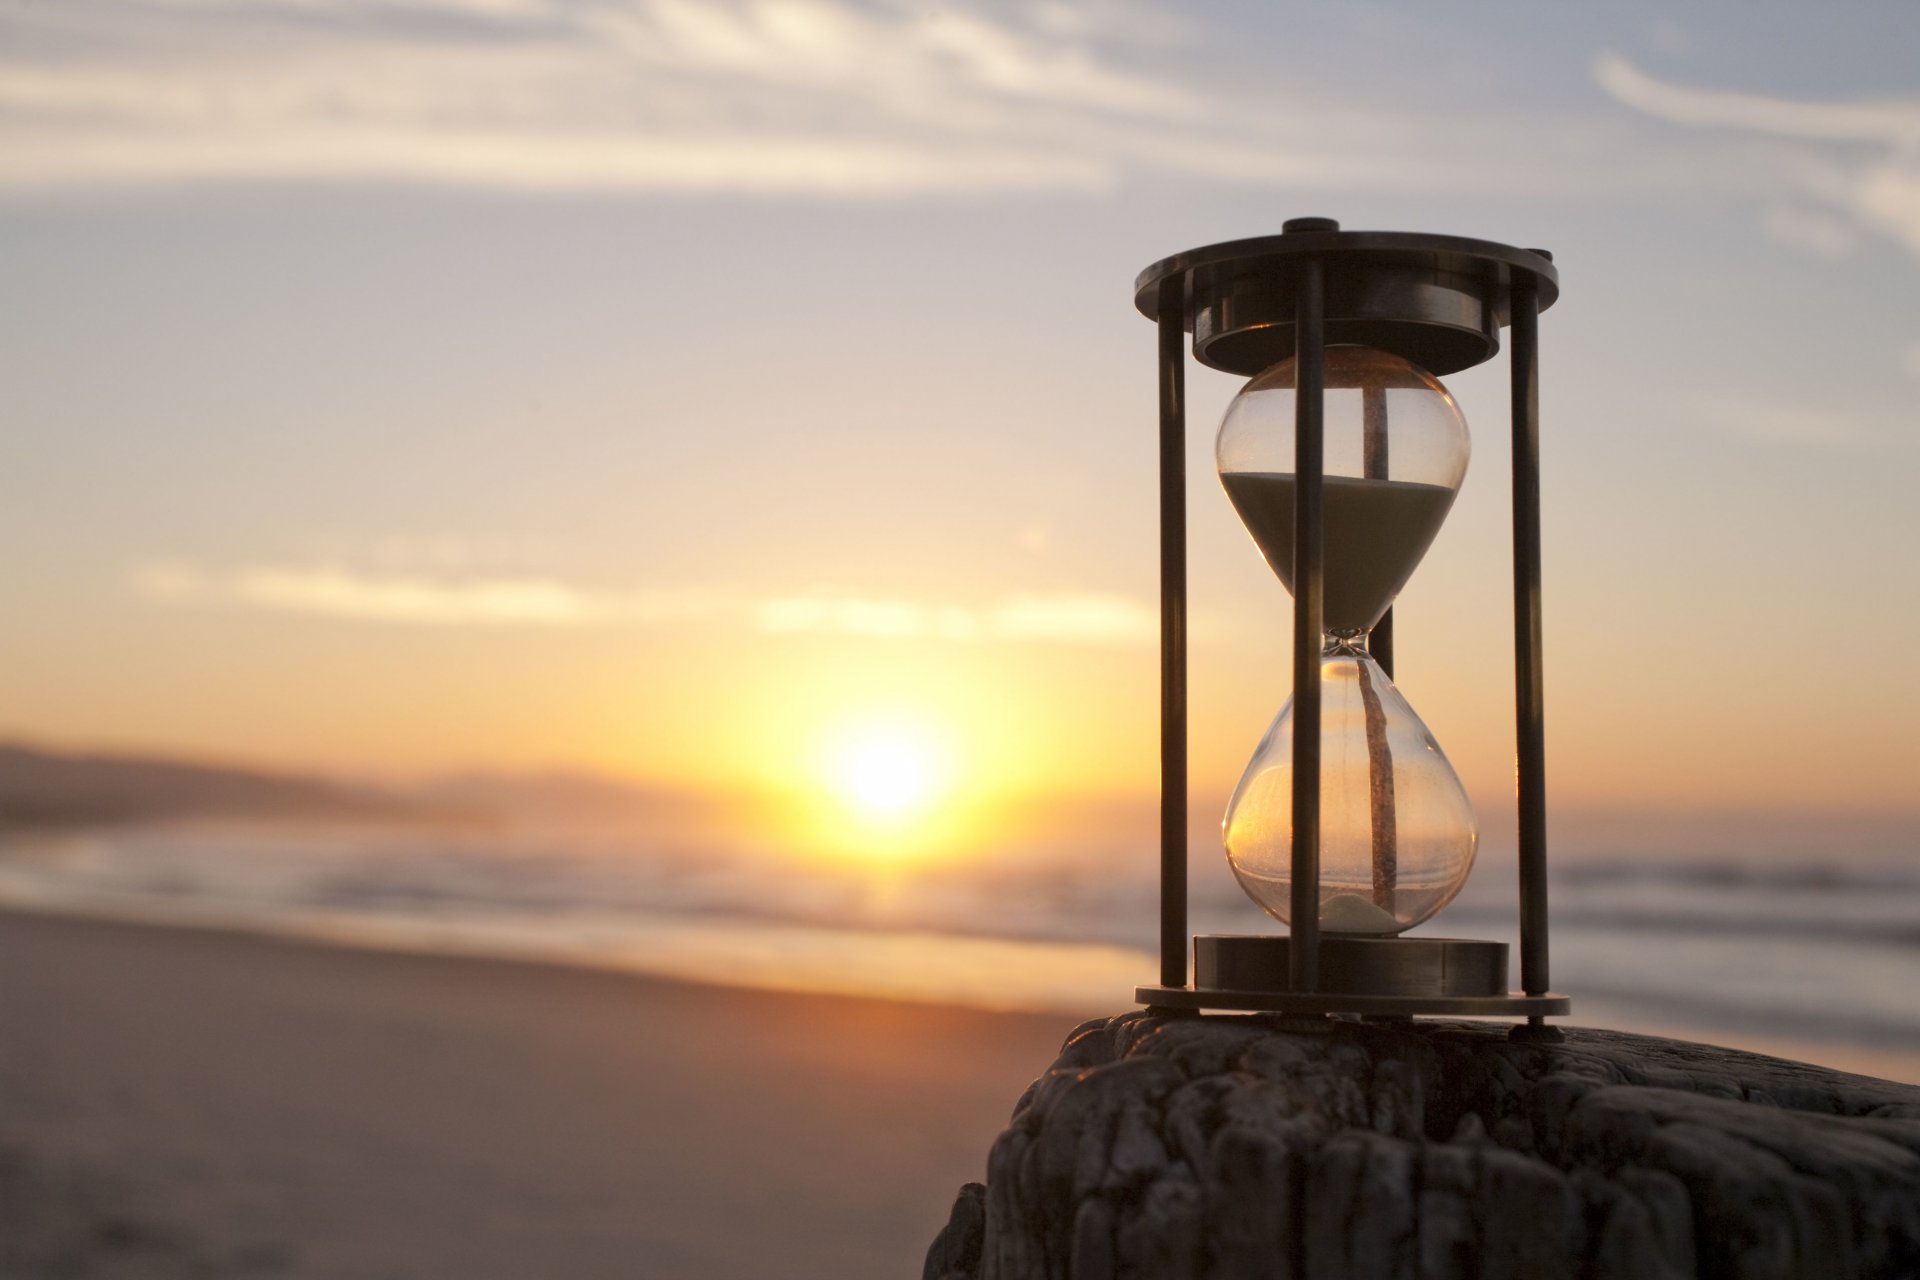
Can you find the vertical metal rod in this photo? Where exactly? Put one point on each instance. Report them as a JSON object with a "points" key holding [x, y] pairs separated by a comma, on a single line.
{"points": [[1173, 635], [1374, 466], [1524, 362], [1303, 953]]}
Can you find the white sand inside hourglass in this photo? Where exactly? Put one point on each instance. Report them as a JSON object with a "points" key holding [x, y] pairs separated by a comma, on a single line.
{"points": [[1351, 913], [1376, 533]]}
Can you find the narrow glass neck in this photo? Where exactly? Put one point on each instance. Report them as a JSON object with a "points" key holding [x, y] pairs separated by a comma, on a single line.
{"points": [[1345, 644]]}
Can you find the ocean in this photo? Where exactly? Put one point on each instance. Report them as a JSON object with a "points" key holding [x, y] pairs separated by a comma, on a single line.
{"points": [[1804, 951]]}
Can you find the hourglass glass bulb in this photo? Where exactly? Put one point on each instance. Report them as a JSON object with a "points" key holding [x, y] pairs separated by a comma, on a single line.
{"points": [[1397, 831], [1396, 449]]}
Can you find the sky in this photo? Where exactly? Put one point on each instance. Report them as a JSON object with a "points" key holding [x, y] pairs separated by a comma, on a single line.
{"points": [[718, 394]]}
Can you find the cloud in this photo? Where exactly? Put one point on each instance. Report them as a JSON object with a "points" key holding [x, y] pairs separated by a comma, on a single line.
{"points": [[1846, 121], [423, 598], [888, 619], [1861, 158], [1109, 619], [478, 601], [832, 99], [1064, 619], [855, 98]]}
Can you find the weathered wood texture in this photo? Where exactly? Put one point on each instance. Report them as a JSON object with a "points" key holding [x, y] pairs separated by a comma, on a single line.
{"points": [[1163, 1146]]}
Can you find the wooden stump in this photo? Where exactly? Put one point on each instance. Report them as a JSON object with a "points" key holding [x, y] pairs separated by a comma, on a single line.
{"points": [[1180, 1146]]}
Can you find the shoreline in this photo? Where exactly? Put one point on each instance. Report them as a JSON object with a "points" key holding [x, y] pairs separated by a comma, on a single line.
{"points": [[1115, 968], [368, 937]]}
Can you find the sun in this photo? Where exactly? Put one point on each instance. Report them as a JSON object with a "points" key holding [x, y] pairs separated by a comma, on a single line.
{"points": [[887, 775], [886, 787]]}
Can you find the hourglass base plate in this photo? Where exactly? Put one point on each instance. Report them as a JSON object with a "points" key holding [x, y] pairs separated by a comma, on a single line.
{"points": [[1513, 1004], [1381, 976]]}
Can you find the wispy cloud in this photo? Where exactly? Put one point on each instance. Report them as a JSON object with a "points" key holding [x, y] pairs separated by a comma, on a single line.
{"points": [[1069, 619], [851, 99], [329, 591], [840, 97], [420, 597], [1863, 158], [1890, 121]]}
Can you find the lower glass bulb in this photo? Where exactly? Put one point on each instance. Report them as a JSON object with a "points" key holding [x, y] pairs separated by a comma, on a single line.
{"points": [[1397, 833]]}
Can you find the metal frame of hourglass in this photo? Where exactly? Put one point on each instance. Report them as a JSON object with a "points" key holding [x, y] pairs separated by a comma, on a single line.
{"points": [[1439, 302]]}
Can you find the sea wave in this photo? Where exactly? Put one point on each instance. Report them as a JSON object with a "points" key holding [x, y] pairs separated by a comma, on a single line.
{"points": [[1818, 949]]}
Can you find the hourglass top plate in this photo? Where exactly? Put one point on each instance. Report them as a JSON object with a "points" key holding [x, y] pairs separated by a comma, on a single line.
{"points": [[1439, 301]]}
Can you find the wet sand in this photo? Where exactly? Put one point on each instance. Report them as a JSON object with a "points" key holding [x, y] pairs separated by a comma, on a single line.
{"points": [[181, 1102]]}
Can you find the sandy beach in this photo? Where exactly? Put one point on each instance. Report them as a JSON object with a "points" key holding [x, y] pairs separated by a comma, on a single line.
{"points": [[187, 1103]]}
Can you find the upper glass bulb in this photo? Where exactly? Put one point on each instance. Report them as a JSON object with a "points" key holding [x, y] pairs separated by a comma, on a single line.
{"points": [[1397, 833], [1396, 450]]}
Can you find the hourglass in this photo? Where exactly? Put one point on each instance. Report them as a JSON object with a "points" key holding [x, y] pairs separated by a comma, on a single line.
{"points": [[1342, 456]]}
